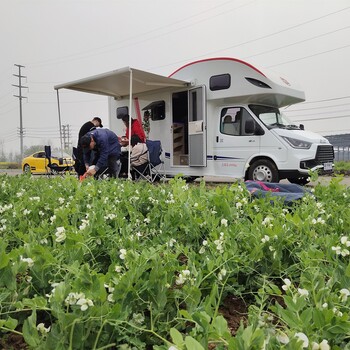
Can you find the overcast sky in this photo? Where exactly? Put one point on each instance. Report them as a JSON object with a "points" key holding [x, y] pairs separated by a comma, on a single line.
{"points": [[58, 41]]}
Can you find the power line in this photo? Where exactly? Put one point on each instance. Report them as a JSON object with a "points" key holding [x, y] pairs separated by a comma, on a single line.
{"points": [[322, 107], [305, 57], [311, 119], [114, 46], [298, 42]]}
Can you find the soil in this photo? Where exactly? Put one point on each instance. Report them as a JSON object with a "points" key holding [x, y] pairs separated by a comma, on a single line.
{"points": [[235, 311]]}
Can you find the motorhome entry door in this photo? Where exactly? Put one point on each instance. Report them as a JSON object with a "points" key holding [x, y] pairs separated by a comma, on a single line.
{"points": [[197, 130]]}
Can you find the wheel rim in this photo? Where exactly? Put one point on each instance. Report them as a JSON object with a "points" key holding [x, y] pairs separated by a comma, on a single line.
{"points": [[262, 173], [27, 168]]}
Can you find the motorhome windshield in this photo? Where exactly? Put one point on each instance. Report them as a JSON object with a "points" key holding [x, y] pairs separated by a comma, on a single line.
{"points": [[272, 117]]}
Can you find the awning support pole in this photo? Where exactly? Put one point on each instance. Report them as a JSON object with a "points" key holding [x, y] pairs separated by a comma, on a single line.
{"points": [[130, 117], [59, 120]]}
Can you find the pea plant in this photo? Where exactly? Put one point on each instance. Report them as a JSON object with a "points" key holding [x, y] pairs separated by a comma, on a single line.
{"points": [[124, 265]]}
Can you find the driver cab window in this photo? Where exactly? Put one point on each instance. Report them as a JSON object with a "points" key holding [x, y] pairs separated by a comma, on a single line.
{"points": [[236, 121], [231, 121]]}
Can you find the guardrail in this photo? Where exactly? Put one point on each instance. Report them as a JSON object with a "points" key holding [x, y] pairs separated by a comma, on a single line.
{"points": [[341, 153]]}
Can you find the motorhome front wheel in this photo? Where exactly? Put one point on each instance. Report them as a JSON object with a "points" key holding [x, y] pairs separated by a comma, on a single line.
{"points": [[263, 170]]}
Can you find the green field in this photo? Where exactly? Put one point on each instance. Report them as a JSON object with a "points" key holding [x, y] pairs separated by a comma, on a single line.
{"points": [[122, 265]]}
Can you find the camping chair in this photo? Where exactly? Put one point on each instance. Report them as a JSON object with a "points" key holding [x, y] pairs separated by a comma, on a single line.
{"points": [[154, 170], [53, 168]]}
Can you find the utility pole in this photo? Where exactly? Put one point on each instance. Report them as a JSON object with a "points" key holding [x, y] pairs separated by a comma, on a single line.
{"points": [[20, 97]]}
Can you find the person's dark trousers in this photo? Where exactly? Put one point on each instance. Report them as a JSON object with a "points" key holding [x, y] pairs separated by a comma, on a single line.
{"points": [[113, 167], [79, 165]]}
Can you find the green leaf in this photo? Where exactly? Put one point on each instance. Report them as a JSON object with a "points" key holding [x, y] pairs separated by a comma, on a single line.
{"points": [[11, 323], [4, 258], [220, 325], [30, 333], [176, 336], [193, 344], [347, 271]]}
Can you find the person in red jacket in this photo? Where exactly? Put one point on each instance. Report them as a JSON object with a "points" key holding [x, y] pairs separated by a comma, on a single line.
{"points": [[136, 129]]}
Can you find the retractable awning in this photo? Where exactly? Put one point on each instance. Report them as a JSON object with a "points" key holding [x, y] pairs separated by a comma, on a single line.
{"points": [[121, 83], [117, 83]]}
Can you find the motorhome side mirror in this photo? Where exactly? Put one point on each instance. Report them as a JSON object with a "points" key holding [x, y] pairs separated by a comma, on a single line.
{"points": [[252, 128], [301, 127]]}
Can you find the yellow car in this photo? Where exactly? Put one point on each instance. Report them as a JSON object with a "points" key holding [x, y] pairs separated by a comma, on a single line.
{"points": [[37, 163]]}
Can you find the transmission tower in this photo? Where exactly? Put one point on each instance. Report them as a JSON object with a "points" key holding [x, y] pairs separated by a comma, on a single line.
{"points": [[66, 136], [20, 97]]}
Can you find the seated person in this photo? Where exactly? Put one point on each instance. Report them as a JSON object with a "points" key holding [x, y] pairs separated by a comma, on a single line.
{"points": [[136, 129], [139, 156]]}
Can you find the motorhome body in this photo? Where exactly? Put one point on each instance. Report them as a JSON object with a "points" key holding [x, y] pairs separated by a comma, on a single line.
{"points": [[217, 117]]}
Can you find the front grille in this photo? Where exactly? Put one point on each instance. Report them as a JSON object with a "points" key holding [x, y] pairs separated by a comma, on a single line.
{"points": [[324, 154]]}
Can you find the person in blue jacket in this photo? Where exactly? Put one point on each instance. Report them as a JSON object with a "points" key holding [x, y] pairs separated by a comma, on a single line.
{"points": [[101, 151]]}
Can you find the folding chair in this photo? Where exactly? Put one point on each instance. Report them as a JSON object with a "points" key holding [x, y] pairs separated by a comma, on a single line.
{"points": [[154, 169], [53, 168]]}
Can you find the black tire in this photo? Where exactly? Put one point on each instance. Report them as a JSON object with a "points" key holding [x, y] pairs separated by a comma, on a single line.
{"points": [[190, 179], [263, 170], [26, 168], [299, 180]]}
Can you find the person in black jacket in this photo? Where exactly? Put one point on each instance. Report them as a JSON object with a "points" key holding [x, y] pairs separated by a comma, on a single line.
{"points": [[79, 165], [101, 150]]}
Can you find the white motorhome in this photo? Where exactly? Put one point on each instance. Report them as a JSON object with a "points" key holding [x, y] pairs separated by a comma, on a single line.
{"points": [[216, 117]]}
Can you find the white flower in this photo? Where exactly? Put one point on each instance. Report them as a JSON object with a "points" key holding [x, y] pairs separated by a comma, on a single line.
{"points": [[84, 303], [205, 243], [287, 284], [344, 240], [202, 250], [173, 348], [180, 280], [265, 239], [61, 200], [182, 277], [344, 293], [222, 274], [337, 250], [171, 242], [282, 337], [118, 268], [322, 346], [303, 338], [26, 211], [84, 224], [29, 261], [122, 254], [42, 329], [303, 292], [60, 234], [224, 222]]}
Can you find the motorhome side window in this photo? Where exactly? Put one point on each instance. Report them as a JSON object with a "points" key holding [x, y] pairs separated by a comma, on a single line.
{"points": [[157, 109], [220, 82], [236, 121]]}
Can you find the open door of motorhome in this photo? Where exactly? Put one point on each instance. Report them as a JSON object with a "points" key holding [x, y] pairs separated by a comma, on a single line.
{"points": [[197, 135]]}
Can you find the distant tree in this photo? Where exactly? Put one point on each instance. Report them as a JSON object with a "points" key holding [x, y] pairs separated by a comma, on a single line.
{"points": [[32, 149]]}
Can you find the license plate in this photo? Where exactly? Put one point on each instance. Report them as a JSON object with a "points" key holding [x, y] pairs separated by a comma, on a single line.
{"points": [[327, 166]]}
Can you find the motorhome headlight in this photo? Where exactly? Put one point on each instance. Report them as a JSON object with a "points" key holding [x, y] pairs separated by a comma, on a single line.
{"points": [[296, 143]]}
